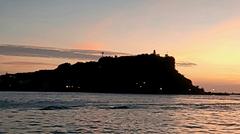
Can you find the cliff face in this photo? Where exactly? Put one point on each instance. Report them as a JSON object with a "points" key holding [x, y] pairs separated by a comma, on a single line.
{"points": [[126, 74]]}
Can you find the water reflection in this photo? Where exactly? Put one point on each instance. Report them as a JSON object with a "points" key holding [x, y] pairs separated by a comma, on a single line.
{"points": [[115, 113]]}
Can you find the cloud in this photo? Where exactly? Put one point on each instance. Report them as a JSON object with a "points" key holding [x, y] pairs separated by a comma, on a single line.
{"points": [[26, 63], [186, 64], [32, 51], [45, 52]]}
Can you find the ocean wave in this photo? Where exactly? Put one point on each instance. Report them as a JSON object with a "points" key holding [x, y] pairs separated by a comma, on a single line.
{"points": [[55, 108], [35, 104], [134, 106]]}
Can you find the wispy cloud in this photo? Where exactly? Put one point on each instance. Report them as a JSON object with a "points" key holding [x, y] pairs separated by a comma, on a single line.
{"points": [[186, 64], [45, 52], [27, 63], [32, 51]]}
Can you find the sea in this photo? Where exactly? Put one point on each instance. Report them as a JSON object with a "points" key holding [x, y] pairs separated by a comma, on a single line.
{"points": [[75, 112]]}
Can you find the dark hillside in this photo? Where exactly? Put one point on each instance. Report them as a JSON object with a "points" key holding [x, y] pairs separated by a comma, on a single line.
{"points": [[146, 73]]}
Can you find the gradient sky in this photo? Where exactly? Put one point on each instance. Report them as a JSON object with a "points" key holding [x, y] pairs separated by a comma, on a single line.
{"points": [[205, 33]]}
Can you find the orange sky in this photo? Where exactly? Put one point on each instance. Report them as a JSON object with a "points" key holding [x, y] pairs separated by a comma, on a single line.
{"points": [[204, 32], [216, 52]]}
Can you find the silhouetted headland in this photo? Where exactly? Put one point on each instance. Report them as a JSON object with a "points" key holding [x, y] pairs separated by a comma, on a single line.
{"points": [[146, 74]]}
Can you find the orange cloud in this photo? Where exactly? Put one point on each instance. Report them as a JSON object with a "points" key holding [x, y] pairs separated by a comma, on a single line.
{"points": [[94, 34], [99, 28], [89, 46]]}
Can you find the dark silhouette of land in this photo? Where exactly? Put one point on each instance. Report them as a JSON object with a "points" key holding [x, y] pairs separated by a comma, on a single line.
{"points": [[146, 74]]}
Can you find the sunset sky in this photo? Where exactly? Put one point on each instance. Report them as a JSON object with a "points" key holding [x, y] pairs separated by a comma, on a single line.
{"points": [[203, 35]]}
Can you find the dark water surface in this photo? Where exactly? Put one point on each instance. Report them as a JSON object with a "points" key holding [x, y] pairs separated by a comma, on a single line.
{"points": [[38, 112]]}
